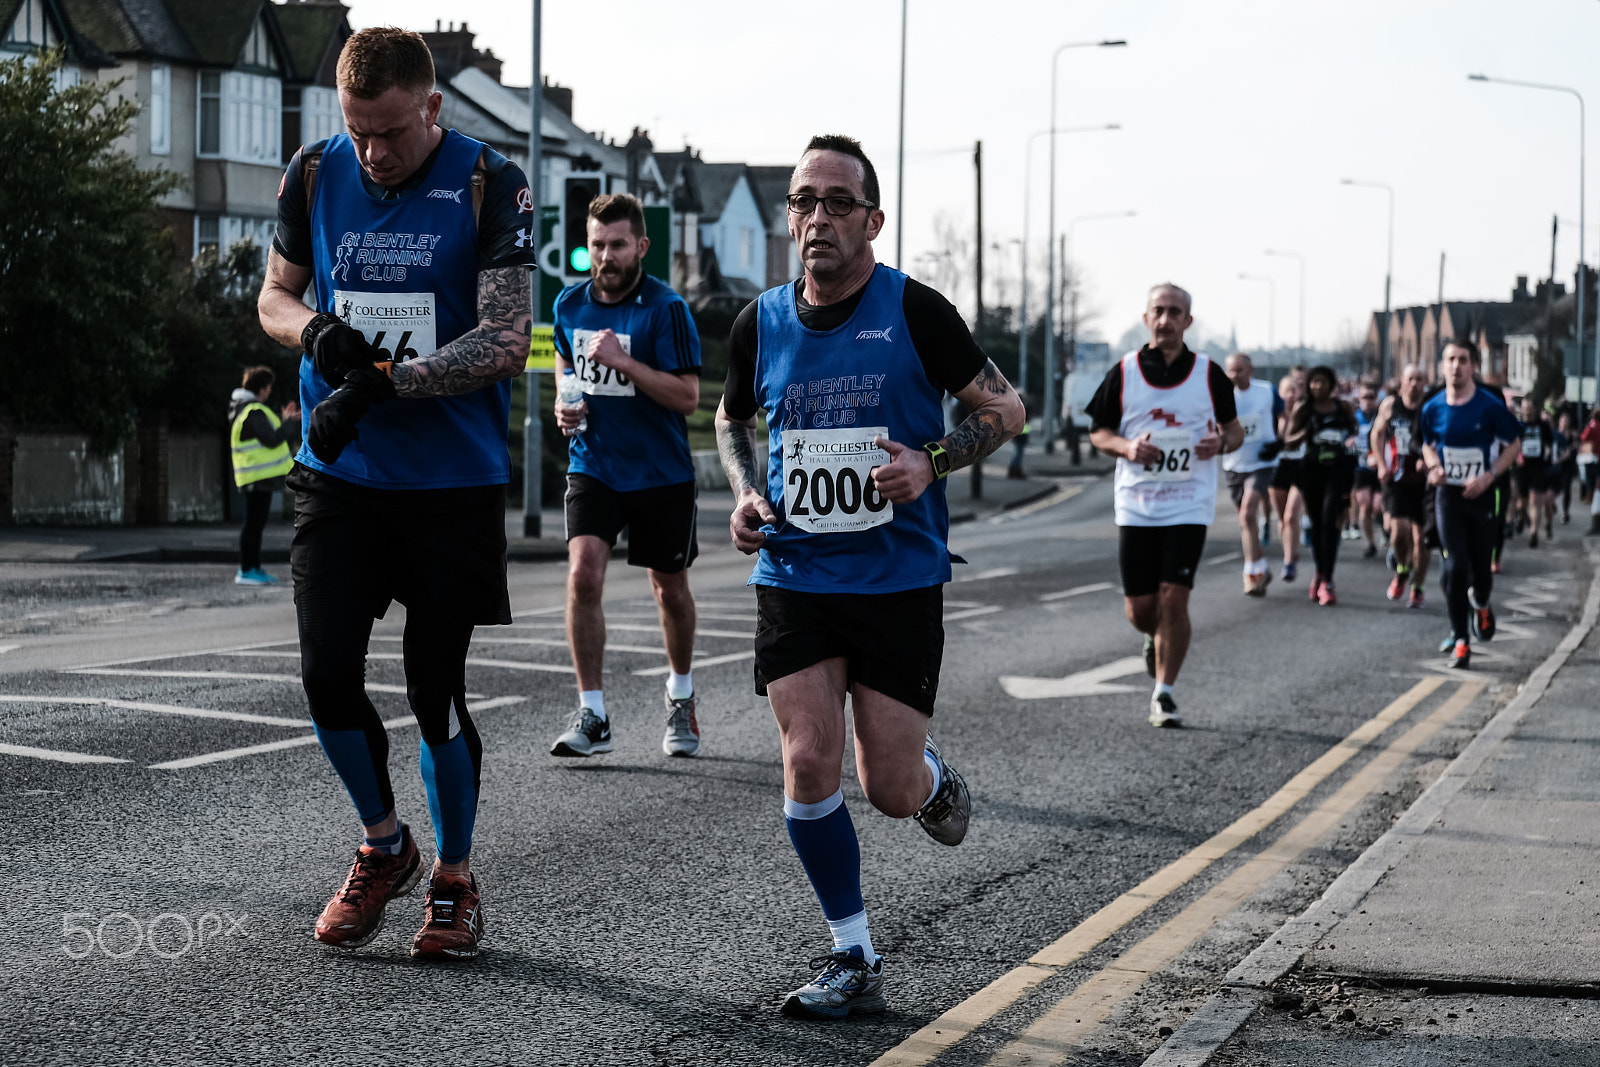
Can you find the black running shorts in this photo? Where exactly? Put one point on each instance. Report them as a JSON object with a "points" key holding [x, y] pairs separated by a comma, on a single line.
{"points": [[1284, 475], [441, 552], [892, 643], [1366, 478], [1151, 556], [1405, 500], [1259, 482], [661, 521], [1530, 476]]}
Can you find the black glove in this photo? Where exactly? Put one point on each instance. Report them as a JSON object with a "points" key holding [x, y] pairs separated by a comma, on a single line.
{"points": [[333, 422], [336, 348], [1271, 449]]}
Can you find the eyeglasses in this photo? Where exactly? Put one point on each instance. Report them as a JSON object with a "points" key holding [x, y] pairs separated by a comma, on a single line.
{"points": [[837, 206]]}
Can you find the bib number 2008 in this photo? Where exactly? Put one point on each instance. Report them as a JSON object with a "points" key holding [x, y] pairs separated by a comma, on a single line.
{"points": [[827, 475]]}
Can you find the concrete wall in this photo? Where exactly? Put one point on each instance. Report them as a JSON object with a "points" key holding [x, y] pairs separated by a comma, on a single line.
{"points": [[56, 479], [194, 478]]}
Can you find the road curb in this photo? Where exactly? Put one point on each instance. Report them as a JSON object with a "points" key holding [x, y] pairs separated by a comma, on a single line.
{"points": [[1193, 1044]]}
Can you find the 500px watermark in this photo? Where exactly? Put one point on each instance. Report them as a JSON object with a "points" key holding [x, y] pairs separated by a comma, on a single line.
{"points": [[169, 935]]}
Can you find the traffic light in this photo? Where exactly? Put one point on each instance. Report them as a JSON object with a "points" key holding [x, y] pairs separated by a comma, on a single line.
{"points": [[575, 241]]}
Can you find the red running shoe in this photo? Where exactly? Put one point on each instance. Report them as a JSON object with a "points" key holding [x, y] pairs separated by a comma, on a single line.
{"points": [[1397, 587], [1316, 585], [355, 914], [1461, 658], [1415, 600], [454, 923], [1325, 595]]}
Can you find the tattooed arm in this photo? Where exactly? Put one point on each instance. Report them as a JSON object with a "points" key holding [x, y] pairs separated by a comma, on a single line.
{"points": [[996, 417], [495, 350], [736, 445]]}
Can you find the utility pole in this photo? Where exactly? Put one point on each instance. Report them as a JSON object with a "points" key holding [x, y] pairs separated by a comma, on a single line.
{"points": [[1549, 352], [900, 161], [1438, 333], [977, 166], [532, 423]]}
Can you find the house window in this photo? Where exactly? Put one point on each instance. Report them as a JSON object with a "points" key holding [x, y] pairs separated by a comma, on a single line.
{"points": [[320, 117], [216, 234], [258, 49], [160, 110], [206, 229], [747, 247], [239, 116], [32, 28]]}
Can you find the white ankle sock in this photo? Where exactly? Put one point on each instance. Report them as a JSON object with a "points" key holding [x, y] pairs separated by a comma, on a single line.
{"points": [[938, 775], [1161, 687], [680, 686], [594, 700], [851, 931]]}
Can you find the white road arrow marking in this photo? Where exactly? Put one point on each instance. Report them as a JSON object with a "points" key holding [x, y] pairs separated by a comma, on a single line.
{"points": [[1083, 684], [1080, 590]]}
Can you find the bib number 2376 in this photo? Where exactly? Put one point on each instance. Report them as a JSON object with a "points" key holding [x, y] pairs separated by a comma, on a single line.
{"points": [[598, 380], [827, 479]]}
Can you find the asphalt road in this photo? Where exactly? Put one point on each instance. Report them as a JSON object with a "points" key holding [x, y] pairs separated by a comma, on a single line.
{"points": [[640, 910]]}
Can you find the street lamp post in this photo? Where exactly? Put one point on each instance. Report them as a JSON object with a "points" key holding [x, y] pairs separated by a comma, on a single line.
{"points": [[1583, 269], [900, 161], [1050, 325], [532, 421], [1301, 321], [1388, 278], [1027, 199], [1272, 304]]}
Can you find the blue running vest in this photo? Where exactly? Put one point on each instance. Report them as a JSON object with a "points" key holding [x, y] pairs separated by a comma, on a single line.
{"points": [[405, 273], [816, 389]]}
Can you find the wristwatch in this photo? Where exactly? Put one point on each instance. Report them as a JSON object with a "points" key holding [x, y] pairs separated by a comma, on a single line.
{"points": [[938, 457]]}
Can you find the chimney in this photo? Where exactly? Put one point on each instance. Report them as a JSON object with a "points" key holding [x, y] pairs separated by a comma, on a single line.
{"points": [[1520, 293], [558, 97]]}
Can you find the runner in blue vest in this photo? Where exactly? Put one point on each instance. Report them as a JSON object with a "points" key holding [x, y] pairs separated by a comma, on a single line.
{"points": [[851, 364], [1469, 440], [628, 340], [421, 319]]}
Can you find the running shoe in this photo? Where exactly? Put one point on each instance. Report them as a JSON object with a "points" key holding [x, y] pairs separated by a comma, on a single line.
{"points": [[1482, 620], [683, 729], [255, 577], [847, 984], [1325, 595], [1150, 655], [453, 925], [1288, 572], [1447, 644], [1461, 656], [355, 914], [1415, 599], [588, 735], [1250, 585], [1397, 587], [1256, 584], [1164, 711], [1316, 587], [1370, 552], [1533, 542], [946, 814]]}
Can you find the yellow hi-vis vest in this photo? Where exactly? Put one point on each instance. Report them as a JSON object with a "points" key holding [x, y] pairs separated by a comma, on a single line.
{"points": [[254, 461]]}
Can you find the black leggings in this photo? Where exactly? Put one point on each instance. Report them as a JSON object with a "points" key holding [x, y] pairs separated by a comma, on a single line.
{"points": [[1326, 489], [1467, 533], [257, 505]]}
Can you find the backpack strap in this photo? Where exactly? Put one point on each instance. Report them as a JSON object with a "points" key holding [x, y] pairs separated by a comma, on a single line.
{"points": [[309, 162], [480, 173]]}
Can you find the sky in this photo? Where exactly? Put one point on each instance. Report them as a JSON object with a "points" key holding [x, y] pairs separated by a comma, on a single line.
{"points": [[1239, 118]]}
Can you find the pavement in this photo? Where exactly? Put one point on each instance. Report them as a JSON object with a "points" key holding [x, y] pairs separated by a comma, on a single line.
{"points": [[1470, 931], [218, 542]]}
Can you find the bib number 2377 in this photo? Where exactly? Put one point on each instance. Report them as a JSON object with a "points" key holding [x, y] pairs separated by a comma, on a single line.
{"points": [[827, 479]]}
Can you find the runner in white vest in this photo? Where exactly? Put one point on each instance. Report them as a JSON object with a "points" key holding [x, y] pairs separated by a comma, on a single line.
{"points": [[1249, 471], [1165, 412]]}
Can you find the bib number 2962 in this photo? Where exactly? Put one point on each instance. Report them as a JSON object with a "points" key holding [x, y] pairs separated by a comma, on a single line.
{"points": [[827, 479]]}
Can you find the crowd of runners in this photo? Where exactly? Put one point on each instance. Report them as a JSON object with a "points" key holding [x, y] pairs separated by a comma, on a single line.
{"points": [[842, 505]]}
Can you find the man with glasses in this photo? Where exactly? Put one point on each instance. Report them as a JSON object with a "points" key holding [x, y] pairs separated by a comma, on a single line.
{"points": [[851, 363]]}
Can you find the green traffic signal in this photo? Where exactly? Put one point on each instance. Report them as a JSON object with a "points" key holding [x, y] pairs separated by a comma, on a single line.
{"points": [[580, 259]]}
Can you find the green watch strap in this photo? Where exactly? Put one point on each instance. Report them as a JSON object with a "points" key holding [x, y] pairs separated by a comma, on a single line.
{"points": [[938, 457]]}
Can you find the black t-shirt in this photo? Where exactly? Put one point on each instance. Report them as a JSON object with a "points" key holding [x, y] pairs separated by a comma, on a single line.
{"points": [[950, 357], [504, 228], [1105, 407]]}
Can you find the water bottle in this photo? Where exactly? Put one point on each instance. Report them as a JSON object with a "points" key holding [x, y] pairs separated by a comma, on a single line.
{"points": [[569, 394]]}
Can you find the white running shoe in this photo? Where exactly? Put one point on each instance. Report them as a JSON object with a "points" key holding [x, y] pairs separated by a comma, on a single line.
{"points": [[1164, 711]]}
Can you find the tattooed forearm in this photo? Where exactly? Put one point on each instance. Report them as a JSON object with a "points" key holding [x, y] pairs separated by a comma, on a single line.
{"points": [[495, 350], [736, 445], [982, 433]]}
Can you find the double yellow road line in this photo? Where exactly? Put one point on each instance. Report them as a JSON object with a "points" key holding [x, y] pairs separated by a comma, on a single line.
{"points": [[1056, 1033]]}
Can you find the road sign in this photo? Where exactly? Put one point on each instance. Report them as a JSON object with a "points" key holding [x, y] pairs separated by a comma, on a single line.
{"points": [[542, 349]]}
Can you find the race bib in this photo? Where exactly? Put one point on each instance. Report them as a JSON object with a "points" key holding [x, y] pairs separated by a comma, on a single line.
{"points": [[400, 325], [1402, 440], [1461, 465], [598, 380], [827, 479], [1252, 427], [1177, 457], [1532, 447], [1333, 436]]}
